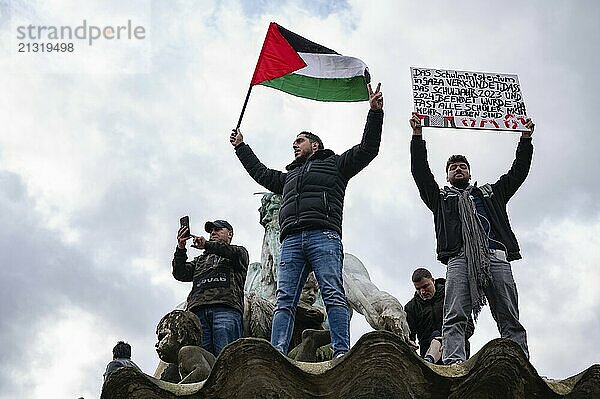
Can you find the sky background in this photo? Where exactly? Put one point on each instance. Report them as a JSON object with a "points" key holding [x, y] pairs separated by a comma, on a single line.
{"points": [[103, 149]]}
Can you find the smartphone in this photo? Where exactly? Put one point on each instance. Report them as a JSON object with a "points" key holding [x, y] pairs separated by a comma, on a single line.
{"points": [[185, 222]]}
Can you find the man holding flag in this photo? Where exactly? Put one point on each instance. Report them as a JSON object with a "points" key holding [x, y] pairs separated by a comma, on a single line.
{"points": [[310, 221]]}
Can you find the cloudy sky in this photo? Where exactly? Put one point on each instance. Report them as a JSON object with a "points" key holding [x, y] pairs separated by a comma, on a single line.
{"points": [[103, 149]]}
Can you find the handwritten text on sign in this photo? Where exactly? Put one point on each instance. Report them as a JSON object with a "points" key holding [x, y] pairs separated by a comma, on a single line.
{"points": [[470, 100]]}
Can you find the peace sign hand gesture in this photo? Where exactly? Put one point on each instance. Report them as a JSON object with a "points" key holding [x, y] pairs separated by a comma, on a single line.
{"points": [[375, 98]]}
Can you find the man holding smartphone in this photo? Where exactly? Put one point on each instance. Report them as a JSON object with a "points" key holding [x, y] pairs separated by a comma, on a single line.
{"points": [[310, 221], [218, 277]]}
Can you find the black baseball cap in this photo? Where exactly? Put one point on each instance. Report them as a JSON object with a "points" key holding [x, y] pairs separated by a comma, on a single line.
{"points": [[209, 226]]}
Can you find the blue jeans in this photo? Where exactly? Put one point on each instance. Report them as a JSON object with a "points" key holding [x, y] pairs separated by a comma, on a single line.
{"points": [[322, 252], [502, 298], [221, 325]]}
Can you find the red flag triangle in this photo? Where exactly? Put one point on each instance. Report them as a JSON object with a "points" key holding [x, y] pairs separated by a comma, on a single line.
{"points": [[277, 57]]}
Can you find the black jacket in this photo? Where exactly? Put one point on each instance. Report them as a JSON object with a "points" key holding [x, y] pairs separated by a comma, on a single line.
{"points": [[444, 204], [426, 316], [313, 191], [218, 275], [118, 363]]}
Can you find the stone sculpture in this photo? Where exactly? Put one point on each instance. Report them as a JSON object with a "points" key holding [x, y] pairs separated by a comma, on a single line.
{"points": [[179, 347], [379, 365], [381, 310]]}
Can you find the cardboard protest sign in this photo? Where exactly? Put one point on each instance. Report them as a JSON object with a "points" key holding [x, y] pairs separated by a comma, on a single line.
{"points": [[468, 100]]}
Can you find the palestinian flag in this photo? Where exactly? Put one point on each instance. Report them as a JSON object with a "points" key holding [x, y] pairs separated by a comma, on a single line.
{"points": [[295, 65]]}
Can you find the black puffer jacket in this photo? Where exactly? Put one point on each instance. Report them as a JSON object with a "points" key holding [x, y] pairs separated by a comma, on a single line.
{"points": [[218, 275], [426, 316], [313, 191], [444, 204]]}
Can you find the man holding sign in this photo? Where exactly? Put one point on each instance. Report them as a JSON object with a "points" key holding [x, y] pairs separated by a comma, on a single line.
{"points": [[310, 221], [474, 240]]}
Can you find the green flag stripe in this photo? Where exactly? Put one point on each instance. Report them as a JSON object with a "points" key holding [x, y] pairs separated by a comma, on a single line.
{"points": [[344, 89]]}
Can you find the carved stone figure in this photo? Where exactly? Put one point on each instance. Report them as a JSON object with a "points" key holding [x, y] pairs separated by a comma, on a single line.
{"points": [[380, 365], [179, 347], [262, 277], [258, 316], [310, 339], [381, 310]]}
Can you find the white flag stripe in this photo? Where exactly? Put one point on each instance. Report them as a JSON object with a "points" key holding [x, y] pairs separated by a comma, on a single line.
{"points": [[331, 66]]}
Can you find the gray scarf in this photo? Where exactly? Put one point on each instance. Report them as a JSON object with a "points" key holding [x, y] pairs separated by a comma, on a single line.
{"points": [[476, 246]]}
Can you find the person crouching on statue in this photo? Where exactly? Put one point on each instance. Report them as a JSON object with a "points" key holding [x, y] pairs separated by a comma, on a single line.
{"points": [[218, 276], [425, 313], [310, 221]]}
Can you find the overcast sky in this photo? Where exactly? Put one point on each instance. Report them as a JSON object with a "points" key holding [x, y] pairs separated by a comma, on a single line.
{"points": [[103, 149]]}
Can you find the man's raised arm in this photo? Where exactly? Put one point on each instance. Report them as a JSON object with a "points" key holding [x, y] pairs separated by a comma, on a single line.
{"points": [[508, 184], [358, 157], [182, 269], [419, 167], [270, 179]]}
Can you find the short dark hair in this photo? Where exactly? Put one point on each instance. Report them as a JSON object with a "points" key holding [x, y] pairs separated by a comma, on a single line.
{"points": [[122, 350], [455, 159], [313, 138], [420, 273]]}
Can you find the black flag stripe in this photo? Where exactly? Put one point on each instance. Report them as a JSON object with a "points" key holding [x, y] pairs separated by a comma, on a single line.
{"points": [[303, 45]]}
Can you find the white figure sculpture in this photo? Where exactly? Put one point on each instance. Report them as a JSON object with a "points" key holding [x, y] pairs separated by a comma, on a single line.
{"points": [[381, 310]]}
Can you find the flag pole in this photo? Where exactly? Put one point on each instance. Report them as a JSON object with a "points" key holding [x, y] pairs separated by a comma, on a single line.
{"points": [[244, 107]]}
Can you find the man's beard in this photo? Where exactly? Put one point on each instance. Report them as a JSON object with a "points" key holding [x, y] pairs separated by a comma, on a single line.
{"points": [[461, 183], [303, 156]]}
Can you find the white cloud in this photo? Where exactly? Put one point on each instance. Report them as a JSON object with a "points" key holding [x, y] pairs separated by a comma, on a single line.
{"points": [[559, 297], [70, 344]]}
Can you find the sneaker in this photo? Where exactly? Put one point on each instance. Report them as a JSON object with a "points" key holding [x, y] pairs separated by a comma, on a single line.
{"points": [[429, 358], [337, 359]]}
